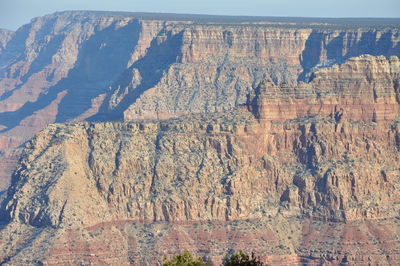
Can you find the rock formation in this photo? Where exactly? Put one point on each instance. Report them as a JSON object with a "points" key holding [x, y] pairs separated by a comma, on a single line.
{"points": [[100, 66], [5, 36], [304, 172]]}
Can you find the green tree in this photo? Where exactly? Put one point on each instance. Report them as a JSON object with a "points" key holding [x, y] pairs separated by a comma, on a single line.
{"points": [[241, 259], [184, 259]]}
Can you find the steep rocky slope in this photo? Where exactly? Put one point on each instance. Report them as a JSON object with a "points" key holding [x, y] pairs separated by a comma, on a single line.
{"points": [[304, 172], [97, 66], [5, 36]]}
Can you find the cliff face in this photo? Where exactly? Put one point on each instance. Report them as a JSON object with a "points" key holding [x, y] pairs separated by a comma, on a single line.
{"points": [[364, 88], [74, 65], [218, 66], [100, 66], [306, 172], [300, 162], [5, 36], [59, 64]]}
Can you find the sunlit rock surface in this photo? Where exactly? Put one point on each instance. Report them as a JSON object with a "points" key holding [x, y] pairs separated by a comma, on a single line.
{"points": [[303, 172], [101, 66]]}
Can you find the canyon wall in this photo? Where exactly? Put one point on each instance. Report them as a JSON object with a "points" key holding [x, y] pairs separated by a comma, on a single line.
{"points": [[304, 172], [273, 135], [98, 66], [5, 36], [101, 66]]}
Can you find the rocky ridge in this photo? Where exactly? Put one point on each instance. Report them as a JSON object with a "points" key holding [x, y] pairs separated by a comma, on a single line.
{"points": [[304, 172], [57, 68]]}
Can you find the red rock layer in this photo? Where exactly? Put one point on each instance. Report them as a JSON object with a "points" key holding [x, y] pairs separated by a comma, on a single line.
{"points": [[365, 88]]}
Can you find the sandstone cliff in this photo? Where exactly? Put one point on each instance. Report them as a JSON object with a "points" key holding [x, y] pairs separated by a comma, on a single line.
{"points": [[305, 172], [99, 66], [66, 65]]}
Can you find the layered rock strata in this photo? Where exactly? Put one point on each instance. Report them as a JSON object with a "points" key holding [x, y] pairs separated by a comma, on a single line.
{"points": [[306, 172], [107, 66], [100, 66]]}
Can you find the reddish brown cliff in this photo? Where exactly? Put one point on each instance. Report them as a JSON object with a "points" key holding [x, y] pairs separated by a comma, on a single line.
{"points": [[100, 66], [309, 175], [364, 88]]}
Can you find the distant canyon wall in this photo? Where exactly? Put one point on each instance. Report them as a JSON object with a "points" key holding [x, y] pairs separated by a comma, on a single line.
{"points": [[5, 36], [74, 66], [325, 129], [302, 173]]}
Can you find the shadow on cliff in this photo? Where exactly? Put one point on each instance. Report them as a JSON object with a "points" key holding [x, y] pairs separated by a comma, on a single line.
{"points": [[41, 61], [44, 58], [14, 51], [344, 46], [102, 58], [151, 67]]}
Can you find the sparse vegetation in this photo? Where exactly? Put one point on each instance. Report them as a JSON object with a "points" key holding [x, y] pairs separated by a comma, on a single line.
{"points": [[184, 259], [239, 258]]}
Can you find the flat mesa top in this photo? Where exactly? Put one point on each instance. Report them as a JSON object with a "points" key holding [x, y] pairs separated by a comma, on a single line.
{"points": [[253, 20]]}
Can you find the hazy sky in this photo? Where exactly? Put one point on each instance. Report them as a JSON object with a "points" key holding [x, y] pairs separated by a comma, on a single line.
{"points": [[14, 13]]}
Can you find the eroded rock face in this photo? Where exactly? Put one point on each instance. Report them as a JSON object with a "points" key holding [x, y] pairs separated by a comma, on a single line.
{"points": [[218, 66], [5, 36], [101, 66], [365, 88], [307, 172], [79, 61]]}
